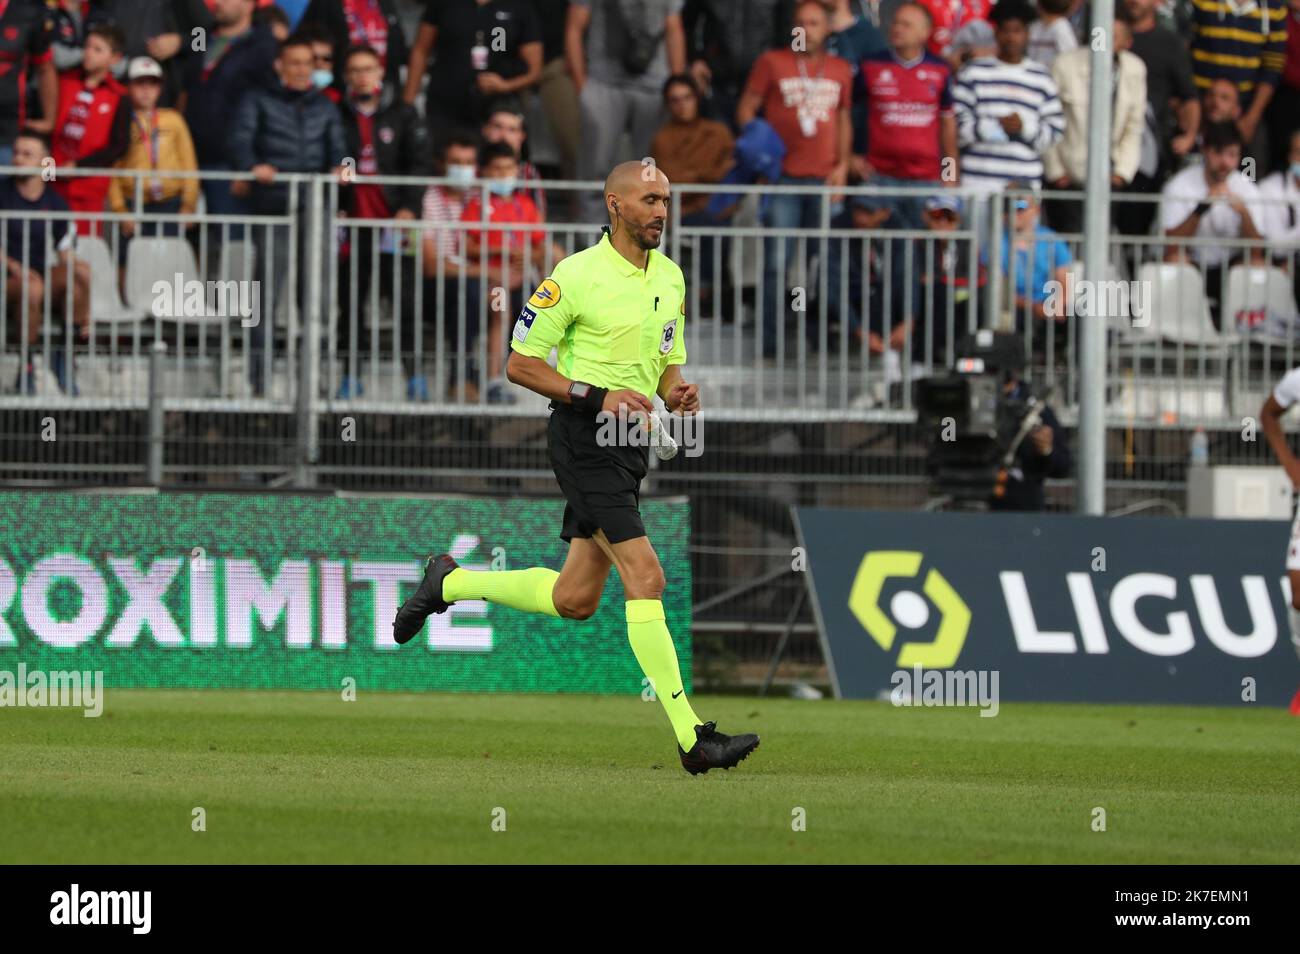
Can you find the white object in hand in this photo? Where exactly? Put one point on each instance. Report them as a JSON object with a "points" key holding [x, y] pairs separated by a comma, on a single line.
{"points": [[663, 443]]}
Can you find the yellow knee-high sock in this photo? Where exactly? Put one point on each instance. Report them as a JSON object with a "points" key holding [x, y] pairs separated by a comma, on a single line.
{"points": [[528, 590], [653, 646]]}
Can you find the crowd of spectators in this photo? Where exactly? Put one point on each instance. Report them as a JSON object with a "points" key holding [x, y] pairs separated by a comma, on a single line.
{"points": [[927, 94]]}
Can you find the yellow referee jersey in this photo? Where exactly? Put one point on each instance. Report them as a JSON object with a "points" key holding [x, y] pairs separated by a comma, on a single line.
{"points": [[615, 325]]}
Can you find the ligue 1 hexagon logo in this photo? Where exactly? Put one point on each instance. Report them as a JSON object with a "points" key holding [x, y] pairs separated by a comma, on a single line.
{"points": [[909, 609]]}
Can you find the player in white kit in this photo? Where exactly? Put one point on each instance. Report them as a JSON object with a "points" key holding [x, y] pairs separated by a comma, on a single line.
{"points": [[1286, 393]]}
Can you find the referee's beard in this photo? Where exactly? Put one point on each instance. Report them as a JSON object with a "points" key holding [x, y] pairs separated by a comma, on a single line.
{"points": [[648, 235]]}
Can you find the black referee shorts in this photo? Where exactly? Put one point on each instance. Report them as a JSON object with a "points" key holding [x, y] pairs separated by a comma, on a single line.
{"points": [[602, 485]]}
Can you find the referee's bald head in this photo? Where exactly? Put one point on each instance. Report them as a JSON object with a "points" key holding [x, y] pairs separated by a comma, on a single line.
{"points": [[636, 198]]}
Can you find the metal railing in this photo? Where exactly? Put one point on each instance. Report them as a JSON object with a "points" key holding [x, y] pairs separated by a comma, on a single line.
{"points": [[826, 420], [194, 285], [370, 315], [1187, 345]]}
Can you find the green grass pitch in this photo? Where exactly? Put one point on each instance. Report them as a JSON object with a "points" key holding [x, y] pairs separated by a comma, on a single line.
{"points": [[306, 777]]}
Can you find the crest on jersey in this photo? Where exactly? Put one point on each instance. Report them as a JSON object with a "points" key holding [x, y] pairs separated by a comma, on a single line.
{"points": [[669, 336], [547, 294]]}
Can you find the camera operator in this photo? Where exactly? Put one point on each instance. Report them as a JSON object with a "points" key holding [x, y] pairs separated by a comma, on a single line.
{"points": [[993, 442], [1041, 453]]}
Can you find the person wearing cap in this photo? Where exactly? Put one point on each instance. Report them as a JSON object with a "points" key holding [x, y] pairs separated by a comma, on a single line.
{"points": [[865, 213], [949, 204], [160, 142], [149, 28], [1036, 257], [942, 272], [946, 272], [1007, 107]]}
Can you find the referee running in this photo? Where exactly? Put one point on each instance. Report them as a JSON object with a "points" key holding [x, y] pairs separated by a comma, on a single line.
{"points": [[615, 312]]}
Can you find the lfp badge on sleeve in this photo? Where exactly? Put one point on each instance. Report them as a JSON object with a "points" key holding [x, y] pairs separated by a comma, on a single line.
{"points": [[669, 336]]}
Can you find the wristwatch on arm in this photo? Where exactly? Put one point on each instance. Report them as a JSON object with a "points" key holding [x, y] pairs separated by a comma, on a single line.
{"points": [[587, 397]]}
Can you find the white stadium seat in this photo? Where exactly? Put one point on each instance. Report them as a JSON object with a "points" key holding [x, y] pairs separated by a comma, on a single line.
{"points": [[105, 302], [1259, 295], [1178, 309], [154, 259]]}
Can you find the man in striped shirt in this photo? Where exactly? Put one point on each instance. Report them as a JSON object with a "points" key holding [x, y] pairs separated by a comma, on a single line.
{"points": [[1243, 41], [1007, 108]]}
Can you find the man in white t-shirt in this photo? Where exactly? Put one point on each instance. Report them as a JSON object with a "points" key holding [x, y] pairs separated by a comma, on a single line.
{"points": [[1280, 215], [1212, 200], [1285, 394]]}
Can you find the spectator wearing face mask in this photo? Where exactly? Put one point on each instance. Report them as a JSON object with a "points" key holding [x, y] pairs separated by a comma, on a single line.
{"points": [[506, 124], [451, 283], [514, 257], [386, 137], [290, 127], [322, 56], [372, 23]]}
